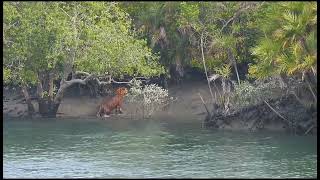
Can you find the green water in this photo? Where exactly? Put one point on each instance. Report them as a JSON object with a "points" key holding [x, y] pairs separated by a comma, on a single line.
{"points": [[94, 148]]}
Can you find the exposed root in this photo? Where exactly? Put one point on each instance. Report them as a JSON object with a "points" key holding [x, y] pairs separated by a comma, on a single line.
{"points": [[263, 116]]}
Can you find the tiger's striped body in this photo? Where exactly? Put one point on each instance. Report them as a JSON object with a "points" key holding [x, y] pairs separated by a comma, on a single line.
{"points": [[108, 105]]}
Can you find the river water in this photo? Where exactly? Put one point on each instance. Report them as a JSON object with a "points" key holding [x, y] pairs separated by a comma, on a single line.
{"points": [[70, 148]]}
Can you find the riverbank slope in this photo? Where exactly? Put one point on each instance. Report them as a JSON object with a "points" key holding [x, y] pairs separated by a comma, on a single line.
{"points": [[187, 106]]}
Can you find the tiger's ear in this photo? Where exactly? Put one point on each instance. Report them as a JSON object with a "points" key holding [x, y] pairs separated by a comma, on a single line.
{"points": [[124, 90]]}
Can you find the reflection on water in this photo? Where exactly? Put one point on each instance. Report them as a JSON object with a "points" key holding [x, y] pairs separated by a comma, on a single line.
{"points": [[151, 148]]}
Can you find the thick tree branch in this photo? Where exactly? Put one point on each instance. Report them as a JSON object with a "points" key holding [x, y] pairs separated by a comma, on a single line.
{"points": [[65, 84], [82, 73], [103, 82], [88, 77]]}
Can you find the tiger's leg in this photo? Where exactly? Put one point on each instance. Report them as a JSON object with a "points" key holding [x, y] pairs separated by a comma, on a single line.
{"points": [[107, 112], [105, 115], [118, 109], [99, 112], [103, 112]]}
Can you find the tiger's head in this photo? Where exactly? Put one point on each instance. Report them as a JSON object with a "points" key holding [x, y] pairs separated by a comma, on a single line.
{"points": [[122, 91]]}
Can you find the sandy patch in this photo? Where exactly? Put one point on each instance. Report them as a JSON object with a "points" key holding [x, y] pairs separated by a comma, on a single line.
{"points": [[188, 105]]}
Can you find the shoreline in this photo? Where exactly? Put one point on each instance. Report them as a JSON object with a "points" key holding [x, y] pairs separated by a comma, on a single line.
{"points": [[85, 106], [187, 108]]}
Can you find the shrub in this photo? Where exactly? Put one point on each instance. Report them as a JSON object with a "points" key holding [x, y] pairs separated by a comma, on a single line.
{"points": [[151, 97], [253, 93]]}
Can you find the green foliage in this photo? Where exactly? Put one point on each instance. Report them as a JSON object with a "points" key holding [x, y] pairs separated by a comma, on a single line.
{"points": [[6, 75], [114, 48], [189, 13], [247, 93], [224, 71], [98, 37], [289, 45], [238, 34], [163, 24], [95, 37], [33, 43]]}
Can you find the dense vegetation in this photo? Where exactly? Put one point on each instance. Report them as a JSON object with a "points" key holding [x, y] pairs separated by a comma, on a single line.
{"points": [[48, 41], [236, 41]]}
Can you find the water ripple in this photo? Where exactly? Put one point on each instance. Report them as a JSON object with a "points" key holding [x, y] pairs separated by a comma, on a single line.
{"points": [[151, 150]]}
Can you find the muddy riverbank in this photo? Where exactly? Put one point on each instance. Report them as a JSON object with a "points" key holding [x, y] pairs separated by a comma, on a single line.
{"points": [[186, 104], [281, 114], [188, 107]]}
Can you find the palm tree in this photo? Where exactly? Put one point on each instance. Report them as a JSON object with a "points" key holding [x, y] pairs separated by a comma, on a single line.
{"points": [[290, 43]]}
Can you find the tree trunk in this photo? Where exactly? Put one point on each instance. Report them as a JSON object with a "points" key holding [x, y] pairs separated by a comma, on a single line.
{"points": [[31, 110], [51, 106], [205, 67], [234, 63], [179, 67], [48, 108], [51, 87]]}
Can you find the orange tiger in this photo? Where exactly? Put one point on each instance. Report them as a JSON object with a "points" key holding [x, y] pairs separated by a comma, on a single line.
{"points": [[108, 105]]}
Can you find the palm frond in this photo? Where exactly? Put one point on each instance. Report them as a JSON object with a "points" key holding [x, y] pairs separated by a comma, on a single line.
{"points": [[311, 42], [297, 51], [290, 16], [279, 34], [314, 20], [310, 61]]}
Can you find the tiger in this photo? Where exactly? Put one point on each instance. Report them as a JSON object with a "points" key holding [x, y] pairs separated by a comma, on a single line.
{"points": [[108, 105]]}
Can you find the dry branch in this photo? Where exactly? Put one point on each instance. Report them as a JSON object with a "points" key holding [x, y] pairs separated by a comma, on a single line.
{"points": [[204, 104], [309, 129], [276, 112]]}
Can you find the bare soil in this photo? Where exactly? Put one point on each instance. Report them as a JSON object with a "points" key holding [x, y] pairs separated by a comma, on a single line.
{"points": [[187, 106], [287, 114]]}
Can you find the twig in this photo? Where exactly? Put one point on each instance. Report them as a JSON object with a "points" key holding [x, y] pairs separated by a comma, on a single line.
{"points": [[204, 104], [310, 88], [298, 99], [202, 124], [276, 112], [309, 129], [253, 124], [65, 12], [168, 103], [217, 90]]}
